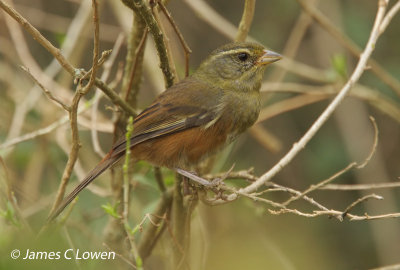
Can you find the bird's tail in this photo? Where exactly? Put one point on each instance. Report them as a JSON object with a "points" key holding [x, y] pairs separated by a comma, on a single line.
{"points": [[103, 165]]}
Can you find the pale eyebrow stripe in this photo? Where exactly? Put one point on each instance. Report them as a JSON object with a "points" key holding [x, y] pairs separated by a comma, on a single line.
{"points": [[237, 50]]}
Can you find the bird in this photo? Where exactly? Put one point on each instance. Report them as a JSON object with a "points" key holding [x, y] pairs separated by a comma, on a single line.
{"points": [[195, 117]]}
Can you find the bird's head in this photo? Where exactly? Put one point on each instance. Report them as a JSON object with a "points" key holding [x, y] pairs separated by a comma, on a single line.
{"points": [[237, 66]]}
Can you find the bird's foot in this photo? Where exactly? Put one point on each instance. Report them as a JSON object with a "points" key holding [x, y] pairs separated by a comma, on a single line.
{"points": [[192, 176]]}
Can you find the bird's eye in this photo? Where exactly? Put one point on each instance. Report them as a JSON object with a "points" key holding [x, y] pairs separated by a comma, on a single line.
{"points": [[243, 56]]}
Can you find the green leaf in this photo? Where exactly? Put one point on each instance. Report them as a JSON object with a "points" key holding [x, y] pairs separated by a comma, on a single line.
{"points": [[111, 209]]}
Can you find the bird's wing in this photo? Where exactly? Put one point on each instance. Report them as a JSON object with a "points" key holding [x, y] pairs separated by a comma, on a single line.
{"points": [[186, 105]]}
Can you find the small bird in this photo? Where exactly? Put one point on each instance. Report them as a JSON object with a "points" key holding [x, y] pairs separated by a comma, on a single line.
{"points": [[197, 116]]}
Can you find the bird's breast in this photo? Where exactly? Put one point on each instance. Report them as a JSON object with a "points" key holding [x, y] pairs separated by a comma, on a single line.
{"points": [[243, 110]]}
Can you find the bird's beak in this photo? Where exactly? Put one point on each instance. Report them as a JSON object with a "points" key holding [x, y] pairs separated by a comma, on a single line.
{"points": [[268, 57]]}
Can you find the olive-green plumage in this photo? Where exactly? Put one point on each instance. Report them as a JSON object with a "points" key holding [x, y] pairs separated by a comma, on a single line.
{"points": [[196, 116]]}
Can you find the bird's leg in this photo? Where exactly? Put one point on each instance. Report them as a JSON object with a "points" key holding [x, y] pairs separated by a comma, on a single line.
{"points": [[197, 179], [186, 187]]}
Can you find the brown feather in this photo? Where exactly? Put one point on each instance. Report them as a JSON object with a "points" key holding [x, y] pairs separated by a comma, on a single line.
{"points": [[184, 148], [152, 138], [103, 165]]}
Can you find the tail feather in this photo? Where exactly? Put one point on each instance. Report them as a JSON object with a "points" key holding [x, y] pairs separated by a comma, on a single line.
{"points": [[107, 162]]}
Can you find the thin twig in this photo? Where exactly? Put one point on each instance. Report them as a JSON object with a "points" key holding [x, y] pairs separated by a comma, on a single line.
{"points": [[141, 8], [114, 97], [289, 104], [245, 22], [376, 217], [389, 16], [168, 48], [46, 91], [345, 187], [321, 184], [96, 100], [268, 140], [360, 200], [186, 49], [293, 43], [40, 132], [333, 213], [304, 197], [73, 113], [135, 62], [150, 234], [374, 145], [341, 172], [373, 97]]}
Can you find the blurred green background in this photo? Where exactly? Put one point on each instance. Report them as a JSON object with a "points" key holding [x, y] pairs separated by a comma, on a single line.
{"points": [[238, 235]]}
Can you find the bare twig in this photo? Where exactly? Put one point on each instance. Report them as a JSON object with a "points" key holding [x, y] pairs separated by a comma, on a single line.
{"points": [[341, 172], [151, 234], [389, 16], [168, 48], [73, 113], [268, 140], [293, 43], [360, 200], [375, 144], [345, 187], [135, 62], [317, 93], [333, 213], [304, 197], [321, 184], [40, 132], [104, 77], [376, 217], [186, 49], [245, 22], [288, 105], [140, 7], [46, 91]]}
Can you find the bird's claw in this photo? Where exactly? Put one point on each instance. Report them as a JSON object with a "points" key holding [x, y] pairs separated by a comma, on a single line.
{"points": [[216, 182]]}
